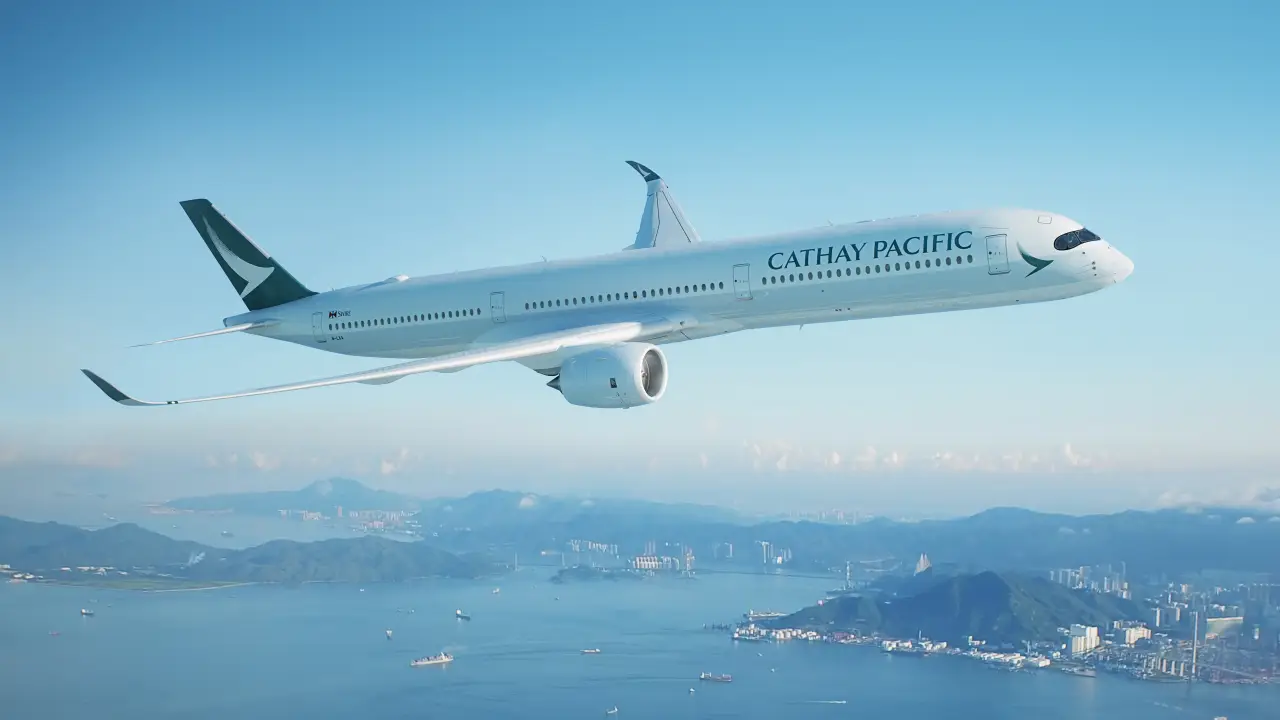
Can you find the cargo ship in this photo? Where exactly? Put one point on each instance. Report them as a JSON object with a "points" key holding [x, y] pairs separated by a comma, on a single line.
{"points": [[592, 651], [715, 678], [440, 659]]}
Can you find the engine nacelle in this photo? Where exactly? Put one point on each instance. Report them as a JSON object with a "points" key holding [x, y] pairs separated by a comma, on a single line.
{"points": [[618, 376]]}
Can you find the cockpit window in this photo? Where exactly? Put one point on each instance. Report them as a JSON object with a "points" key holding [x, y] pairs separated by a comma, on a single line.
{"points": [[1067, 241]]}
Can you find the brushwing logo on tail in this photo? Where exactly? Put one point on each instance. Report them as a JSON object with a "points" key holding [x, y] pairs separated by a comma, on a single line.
{"points": [[252, 275]]}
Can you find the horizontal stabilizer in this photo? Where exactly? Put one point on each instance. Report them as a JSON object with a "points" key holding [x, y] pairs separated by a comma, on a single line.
{"points": [[663, 223], [211, 333], [526, 347]]}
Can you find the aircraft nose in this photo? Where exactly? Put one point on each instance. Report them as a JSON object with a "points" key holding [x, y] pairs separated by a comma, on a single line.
{"points": [[1123, 266]]}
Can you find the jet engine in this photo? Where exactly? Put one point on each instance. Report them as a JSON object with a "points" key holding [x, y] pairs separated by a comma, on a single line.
{"points": [[618, 376]]}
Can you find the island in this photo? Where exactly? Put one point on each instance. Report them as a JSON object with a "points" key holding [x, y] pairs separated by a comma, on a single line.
{"points": [[1002, 609], [126, 555]]}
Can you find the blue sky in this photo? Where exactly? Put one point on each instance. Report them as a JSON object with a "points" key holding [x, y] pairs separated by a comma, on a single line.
{"points": [[357, 142]]}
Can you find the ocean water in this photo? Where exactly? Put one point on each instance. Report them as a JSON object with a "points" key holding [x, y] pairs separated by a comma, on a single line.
{"points": [[320, 651]]}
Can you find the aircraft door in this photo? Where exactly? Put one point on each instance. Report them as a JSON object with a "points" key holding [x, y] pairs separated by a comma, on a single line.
{"points": [[497, 306], [997, 254], [318, 330], [742, 282]]}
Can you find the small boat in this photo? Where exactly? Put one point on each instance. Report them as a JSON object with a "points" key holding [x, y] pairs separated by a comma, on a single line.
{"points": [[388, 634], [86, 613], [612, 711], [715, 678], [461, 615], [592, 651], [691, 690], [497, 590], [441, 659]]}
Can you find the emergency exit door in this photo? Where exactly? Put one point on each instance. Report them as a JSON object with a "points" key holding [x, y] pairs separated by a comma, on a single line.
{"points": [[742, 282], [318, 330], [997, 254], [497, 307]]}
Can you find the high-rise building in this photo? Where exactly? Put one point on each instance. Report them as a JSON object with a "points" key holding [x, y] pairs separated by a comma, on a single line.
{"points": [[1084, 638], [1133, 634]]}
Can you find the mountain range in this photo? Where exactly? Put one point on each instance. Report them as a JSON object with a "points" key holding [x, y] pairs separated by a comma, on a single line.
{"points": [[1155, 543], [45, 548], [324, 496]]}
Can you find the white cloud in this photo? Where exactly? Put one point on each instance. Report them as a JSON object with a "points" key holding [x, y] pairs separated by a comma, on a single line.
{"points": [[1263, 498], [392, 465], [263, 461], [866, 459], [1073, 458]]}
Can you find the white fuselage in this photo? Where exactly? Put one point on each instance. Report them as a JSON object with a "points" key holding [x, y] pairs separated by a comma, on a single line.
{"points": [[920, 264]]}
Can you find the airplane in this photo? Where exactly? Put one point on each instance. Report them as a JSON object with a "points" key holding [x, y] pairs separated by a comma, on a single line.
{"points": [[597, 326]]}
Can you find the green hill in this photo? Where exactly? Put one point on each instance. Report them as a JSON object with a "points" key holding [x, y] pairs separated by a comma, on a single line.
{"points": [[45, 548], [996, 608]]}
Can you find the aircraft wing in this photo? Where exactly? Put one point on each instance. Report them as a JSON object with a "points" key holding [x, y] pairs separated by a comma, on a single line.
{"points": [[515, 349]]}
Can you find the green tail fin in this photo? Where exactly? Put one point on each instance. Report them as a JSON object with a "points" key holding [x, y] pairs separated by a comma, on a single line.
{"points": [[261, 281]]}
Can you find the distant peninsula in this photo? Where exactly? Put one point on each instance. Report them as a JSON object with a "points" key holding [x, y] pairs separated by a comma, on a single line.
{"points": [[1000, 608], [126, 555], [333, 497], [583, 573]]}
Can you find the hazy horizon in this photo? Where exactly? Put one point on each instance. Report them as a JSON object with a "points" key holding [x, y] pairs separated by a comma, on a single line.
{"points": [[41, 490]]}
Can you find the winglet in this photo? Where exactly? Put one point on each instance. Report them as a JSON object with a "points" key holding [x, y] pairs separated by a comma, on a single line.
{"points": [[646, 173], [660, 206], [114, 393]]}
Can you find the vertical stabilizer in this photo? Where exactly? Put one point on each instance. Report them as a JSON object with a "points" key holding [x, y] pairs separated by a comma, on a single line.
{"points": [[663, 223], [261, 281]]}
